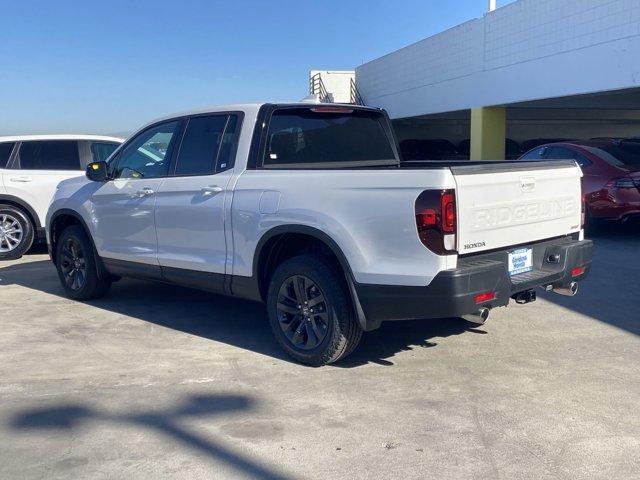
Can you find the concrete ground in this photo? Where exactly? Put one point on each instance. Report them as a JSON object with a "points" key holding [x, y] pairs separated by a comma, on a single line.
{"points": [[155, 381]]}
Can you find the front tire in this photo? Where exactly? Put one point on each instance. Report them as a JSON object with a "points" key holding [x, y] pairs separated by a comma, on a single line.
{"points": [[310, 311], [16, 233], [77, 268]]}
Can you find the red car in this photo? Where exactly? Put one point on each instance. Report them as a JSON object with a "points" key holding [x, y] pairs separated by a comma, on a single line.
{"points": [[611, 183]]}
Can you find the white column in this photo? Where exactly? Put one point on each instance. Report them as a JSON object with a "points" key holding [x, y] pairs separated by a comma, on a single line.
{"points": [[492, 5]]}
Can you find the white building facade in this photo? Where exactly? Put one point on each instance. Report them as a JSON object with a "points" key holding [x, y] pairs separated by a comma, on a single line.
{"points": [[545, 54]]}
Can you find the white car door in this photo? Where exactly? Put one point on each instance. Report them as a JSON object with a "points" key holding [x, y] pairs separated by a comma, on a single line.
{"points": [[191, 205], [122, 208], [39, 167]]}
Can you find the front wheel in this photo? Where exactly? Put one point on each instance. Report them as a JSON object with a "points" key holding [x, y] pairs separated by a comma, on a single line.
{"points": [[76, 264], [310, 311]]}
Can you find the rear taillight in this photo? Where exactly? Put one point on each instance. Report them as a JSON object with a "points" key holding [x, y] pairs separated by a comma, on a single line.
{"points": [[623, 182], [436, 220], [584, 211]]}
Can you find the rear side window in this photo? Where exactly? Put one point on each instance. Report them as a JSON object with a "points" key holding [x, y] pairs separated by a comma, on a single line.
{"points": [[5, 153], [561, 153], [536, 154], [100, 151], [314, 137], [49, 155], [201, 145]]}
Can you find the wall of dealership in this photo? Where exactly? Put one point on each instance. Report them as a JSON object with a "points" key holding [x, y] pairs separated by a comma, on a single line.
{"points": [[534, 68]]}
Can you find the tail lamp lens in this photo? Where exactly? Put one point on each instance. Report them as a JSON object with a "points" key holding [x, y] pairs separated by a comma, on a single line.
{"points": [[448, 206], [435, 212]]}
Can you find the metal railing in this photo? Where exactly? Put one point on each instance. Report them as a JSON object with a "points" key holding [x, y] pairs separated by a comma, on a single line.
{"points": [[355, 94], [316, 87]]}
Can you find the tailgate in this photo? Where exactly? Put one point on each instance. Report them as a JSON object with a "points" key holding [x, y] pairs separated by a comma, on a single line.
{"points": [[505, 204]]}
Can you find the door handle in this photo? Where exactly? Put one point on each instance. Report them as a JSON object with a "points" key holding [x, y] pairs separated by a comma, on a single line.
{"points": [[20, 179], [212, 190], [145, 192]]}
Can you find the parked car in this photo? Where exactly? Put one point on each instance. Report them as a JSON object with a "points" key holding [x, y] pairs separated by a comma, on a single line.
{"points": [[30, 169], [536, 142], [611, 182], [309, 208], [439, 149], [511, 148]]}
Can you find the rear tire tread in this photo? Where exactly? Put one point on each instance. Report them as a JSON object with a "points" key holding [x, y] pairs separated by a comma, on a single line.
{"points": [[96, 286], [345, 332]]}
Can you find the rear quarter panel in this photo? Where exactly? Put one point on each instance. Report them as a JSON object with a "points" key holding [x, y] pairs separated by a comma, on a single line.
{"points": [[368, 213]]}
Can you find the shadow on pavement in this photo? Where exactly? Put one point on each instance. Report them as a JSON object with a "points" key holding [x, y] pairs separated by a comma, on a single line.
{"points": [[610, 292], [69, 417], [232, 321]]}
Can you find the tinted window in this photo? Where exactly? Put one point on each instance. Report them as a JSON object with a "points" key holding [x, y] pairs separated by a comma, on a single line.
{"points": [[582, 161], [537, 154], [49, 155], [228, 140], [301, 136], [561, 153], [5, 153], [200, 145], [100, 151], [146, 155]]}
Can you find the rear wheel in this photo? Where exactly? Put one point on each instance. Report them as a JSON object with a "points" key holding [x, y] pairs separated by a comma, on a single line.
{"points": [[16, 233], [310, 311], [592, 226], [76, 264]]}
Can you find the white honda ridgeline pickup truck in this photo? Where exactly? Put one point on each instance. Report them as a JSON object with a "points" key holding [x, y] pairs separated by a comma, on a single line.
{"points": [[310, 209]]}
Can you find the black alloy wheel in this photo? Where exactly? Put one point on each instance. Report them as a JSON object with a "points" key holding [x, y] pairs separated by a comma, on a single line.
{"points": [[303, 312], [73, 264]]}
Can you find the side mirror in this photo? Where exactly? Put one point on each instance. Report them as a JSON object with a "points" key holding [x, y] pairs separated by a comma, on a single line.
{"points": [[97, 172]]}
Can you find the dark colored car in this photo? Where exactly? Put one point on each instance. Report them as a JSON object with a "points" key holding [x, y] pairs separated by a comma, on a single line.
{"points": [[511, 148], [440, 149], [611, 182]]}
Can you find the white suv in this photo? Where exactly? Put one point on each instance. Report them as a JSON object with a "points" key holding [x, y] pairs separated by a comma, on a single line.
{"points": [[30, 169]]}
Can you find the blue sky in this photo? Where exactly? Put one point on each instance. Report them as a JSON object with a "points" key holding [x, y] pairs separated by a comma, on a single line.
{"points": [[107, 67]]}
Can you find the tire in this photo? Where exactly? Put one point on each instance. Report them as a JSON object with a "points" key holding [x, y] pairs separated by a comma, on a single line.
{"points": [[15, 224], [325, 329], [592, 226], [77, 267]]}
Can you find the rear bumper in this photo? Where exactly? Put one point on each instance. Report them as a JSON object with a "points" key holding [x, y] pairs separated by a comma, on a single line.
{"points": [[452, 292]]}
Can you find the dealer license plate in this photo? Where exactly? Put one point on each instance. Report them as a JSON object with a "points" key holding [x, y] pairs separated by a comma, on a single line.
{"points": [[520, 261]]}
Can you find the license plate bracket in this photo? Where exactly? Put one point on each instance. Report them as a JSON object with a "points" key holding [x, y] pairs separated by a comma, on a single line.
{"points": [[520, 261]]}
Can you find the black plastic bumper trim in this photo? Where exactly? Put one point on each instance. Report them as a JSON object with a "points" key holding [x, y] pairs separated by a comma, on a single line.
{"points": [[452, 292]]}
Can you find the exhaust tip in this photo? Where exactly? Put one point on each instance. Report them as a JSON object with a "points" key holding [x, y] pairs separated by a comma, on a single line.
{"points": [[477, 318], [570, 291]]}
